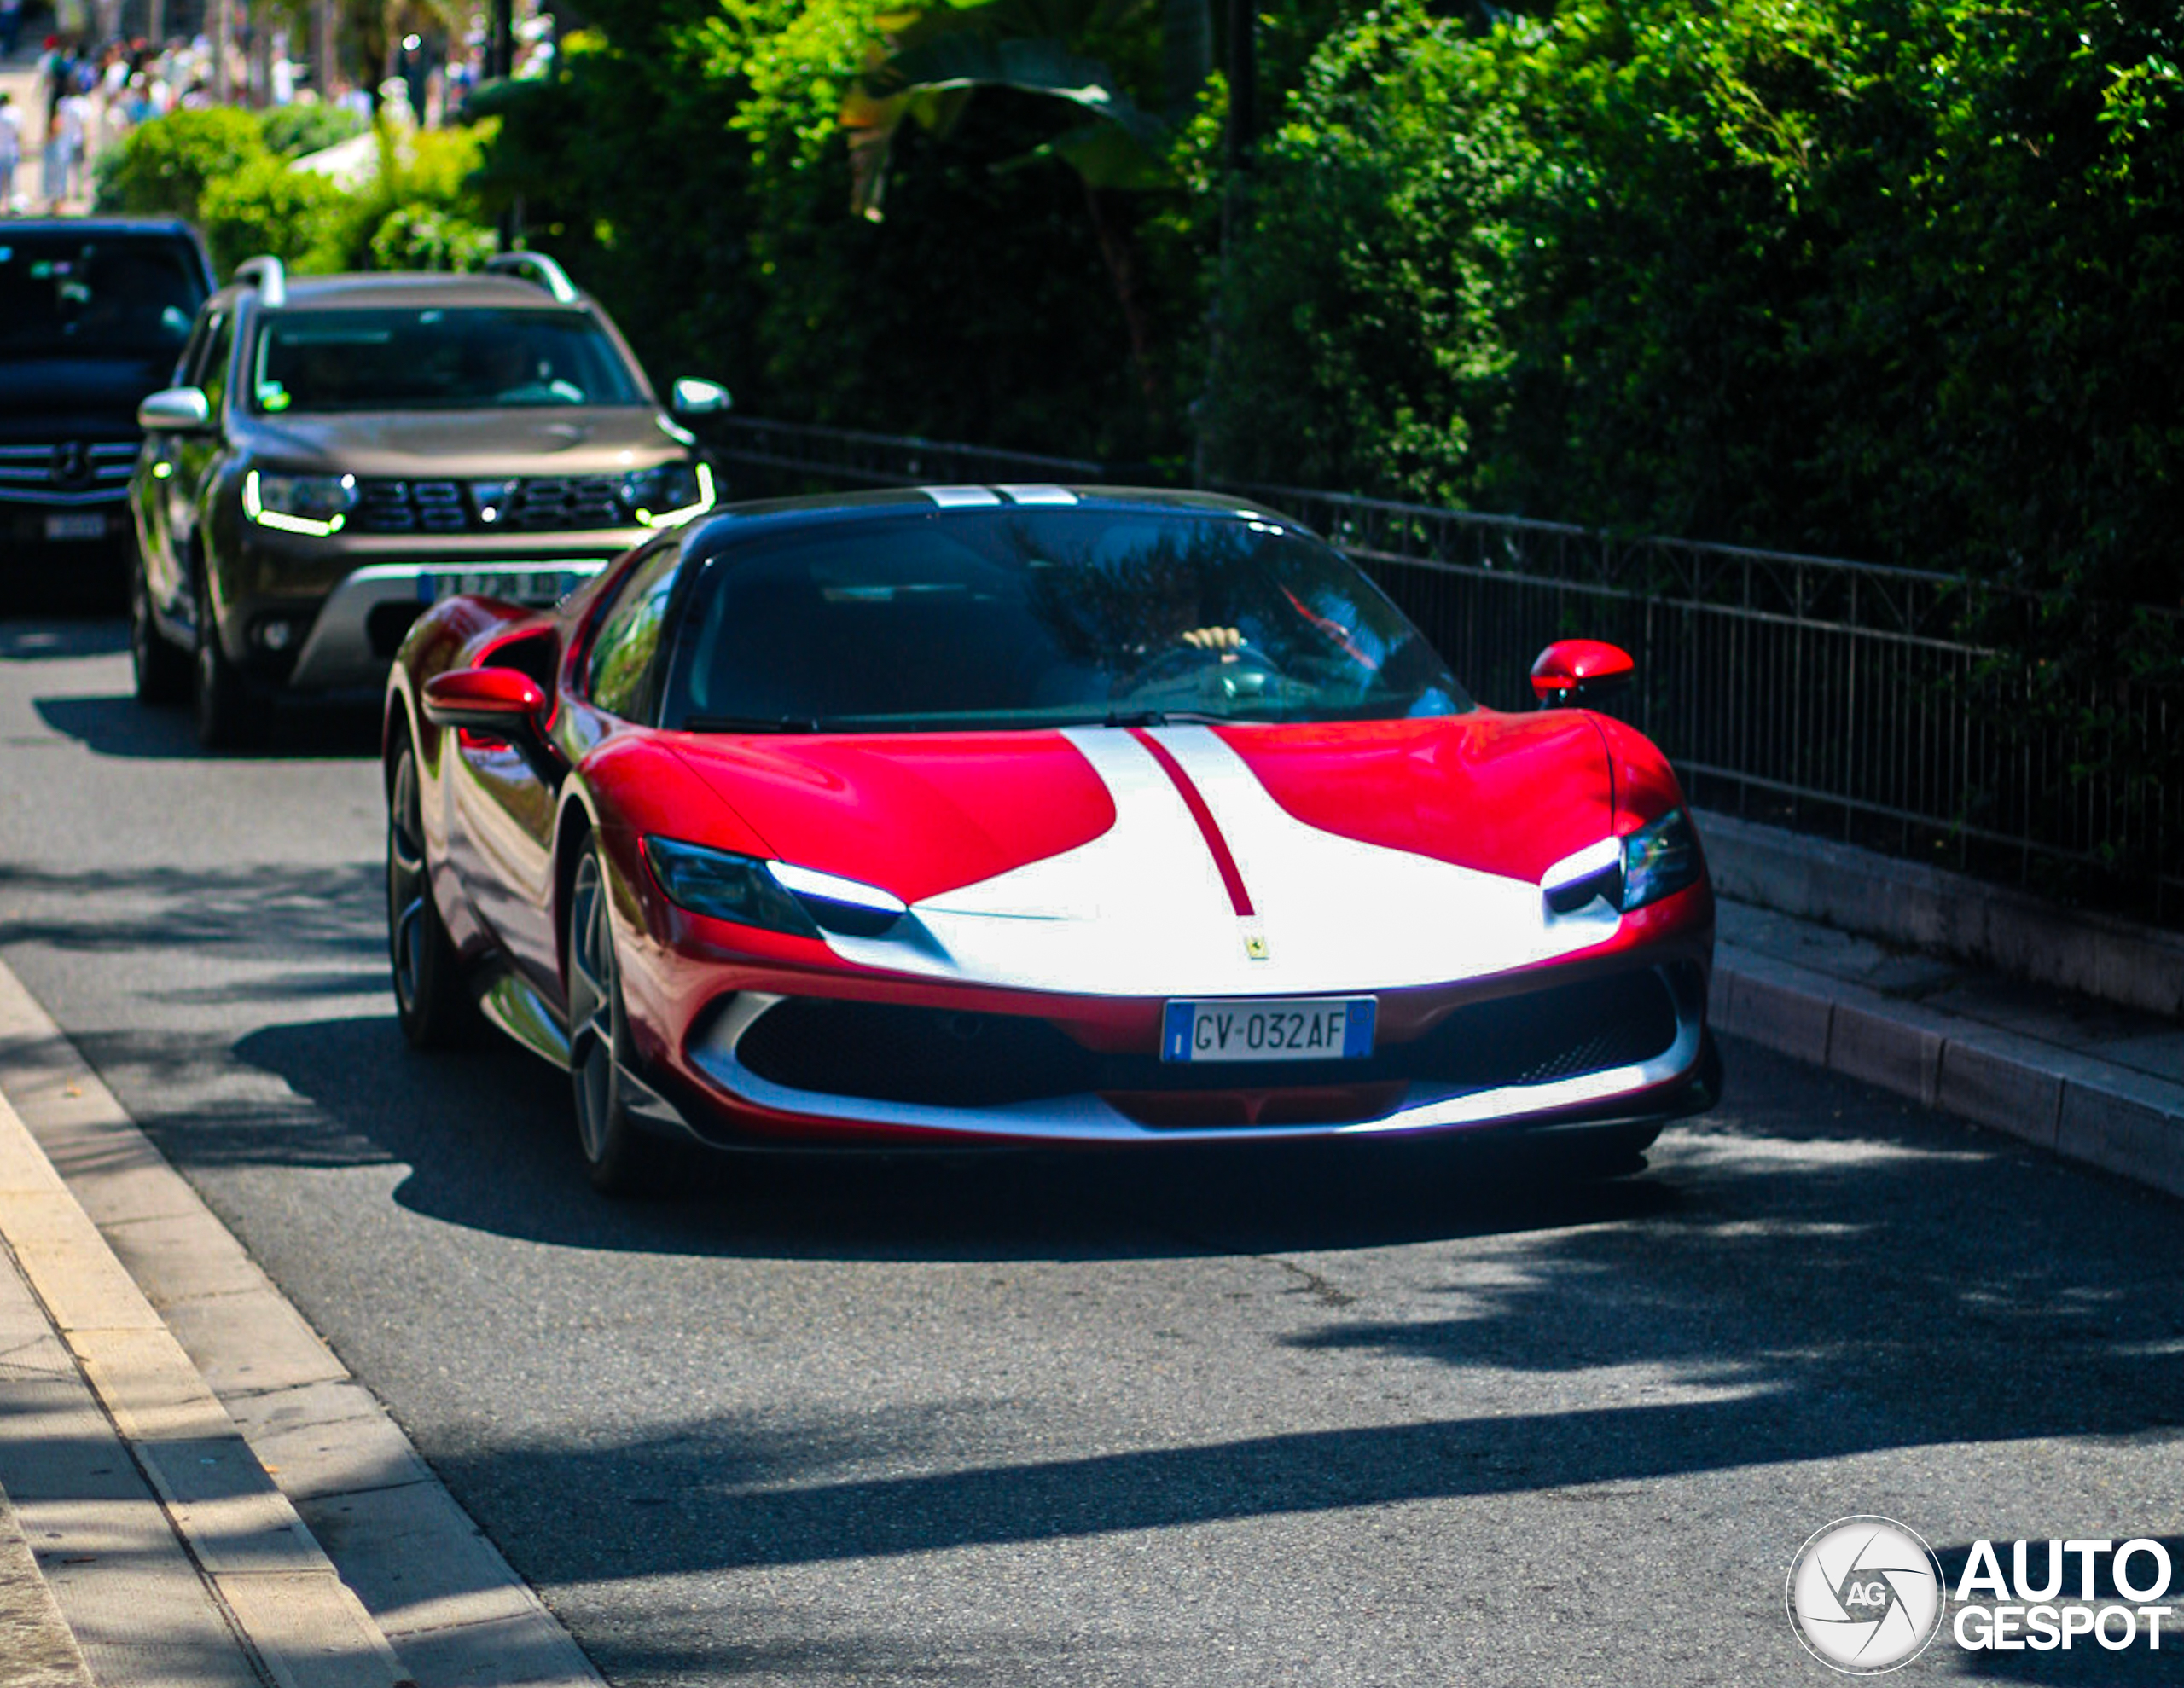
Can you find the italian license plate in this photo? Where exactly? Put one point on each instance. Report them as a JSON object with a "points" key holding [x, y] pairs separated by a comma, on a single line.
{"points": [[1262, 1029], [75, 527]]}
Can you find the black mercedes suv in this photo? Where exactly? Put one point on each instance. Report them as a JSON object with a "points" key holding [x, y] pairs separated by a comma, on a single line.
{"points": [[93, 312]]}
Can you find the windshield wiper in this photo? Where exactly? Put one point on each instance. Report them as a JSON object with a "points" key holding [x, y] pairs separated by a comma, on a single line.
{"points": [[1164, 717], [751, 723]]}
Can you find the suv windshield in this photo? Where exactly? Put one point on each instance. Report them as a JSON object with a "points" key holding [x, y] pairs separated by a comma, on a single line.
{"points": [[435, 359], [75, 295], [1023, 618]]}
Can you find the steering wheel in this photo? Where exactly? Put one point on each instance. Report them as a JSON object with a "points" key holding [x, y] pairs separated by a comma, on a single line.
{"points": [[1243, 671]]}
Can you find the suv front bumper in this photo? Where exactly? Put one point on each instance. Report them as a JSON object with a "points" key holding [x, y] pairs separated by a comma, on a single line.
{"points": [[362, 620], [301, 613]]}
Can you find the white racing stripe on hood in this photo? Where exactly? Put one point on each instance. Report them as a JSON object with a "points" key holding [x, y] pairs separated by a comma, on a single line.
{"points": [[1142, 911]]}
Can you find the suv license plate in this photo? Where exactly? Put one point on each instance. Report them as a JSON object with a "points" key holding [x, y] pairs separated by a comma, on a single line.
{"points": [[540, 588], [1262, 1029], [75, 527]]}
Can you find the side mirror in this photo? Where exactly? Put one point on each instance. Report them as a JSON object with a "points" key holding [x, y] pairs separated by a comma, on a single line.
{"points": [[499, 704], [494, 702], [175, 410], [1580, 671], [699, 398]]}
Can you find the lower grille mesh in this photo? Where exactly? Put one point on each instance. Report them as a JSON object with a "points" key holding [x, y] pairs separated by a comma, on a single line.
{"points": [[945, 1058]]}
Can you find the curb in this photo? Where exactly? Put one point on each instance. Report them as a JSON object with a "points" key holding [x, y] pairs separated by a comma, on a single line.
{"points": [[219, 1384], [37, 1649], [1928, 908], [2075, 1106], [267, 1579]]}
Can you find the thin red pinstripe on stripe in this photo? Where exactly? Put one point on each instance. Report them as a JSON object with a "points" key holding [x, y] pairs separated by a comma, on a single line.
{"points": [[1240, 899]]}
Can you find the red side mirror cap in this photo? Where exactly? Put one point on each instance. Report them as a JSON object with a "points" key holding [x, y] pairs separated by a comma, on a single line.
{"points": [[498, 702], [1579, 670]]}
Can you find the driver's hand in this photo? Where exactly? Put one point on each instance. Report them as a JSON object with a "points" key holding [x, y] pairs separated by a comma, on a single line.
{"points": [[1213, 638]]}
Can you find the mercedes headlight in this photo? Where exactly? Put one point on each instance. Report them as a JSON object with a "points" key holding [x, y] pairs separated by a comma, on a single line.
{"points": [[669, 495], [755, 891], [315, 504]]}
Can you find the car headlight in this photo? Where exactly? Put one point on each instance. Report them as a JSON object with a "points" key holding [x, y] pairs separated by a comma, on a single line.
{"points": [[1659, 860], [312, 504], [755, 891], [670, 495], [1628, 873]]}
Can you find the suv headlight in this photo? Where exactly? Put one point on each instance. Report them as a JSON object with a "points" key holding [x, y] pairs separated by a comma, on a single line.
{"points": [[670, 495], [755, 891], [313, 504]]}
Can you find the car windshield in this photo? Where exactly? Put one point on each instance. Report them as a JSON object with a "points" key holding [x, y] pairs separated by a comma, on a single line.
{"points": [[81, 295], [436, 359], [1024, 617]]}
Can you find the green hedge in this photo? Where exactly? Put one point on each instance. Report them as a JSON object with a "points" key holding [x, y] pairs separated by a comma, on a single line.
{"points": [[227, 171]]}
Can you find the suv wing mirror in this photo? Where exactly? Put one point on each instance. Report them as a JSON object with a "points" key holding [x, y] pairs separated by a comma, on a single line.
{"points": [[175, 410], [695, 398]]}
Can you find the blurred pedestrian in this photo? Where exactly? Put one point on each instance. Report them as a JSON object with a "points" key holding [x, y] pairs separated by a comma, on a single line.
{"points": [[11, 27], [11, 150], [78, 127]]}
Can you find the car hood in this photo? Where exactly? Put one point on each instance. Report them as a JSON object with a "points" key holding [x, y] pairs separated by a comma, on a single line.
{"points": [[46, 399], [574, 440], [1245, 860]]}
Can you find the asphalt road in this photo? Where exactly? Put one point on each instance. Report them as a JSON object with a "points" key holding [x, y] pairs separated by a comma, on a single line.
{"points": [[1252, 1418]]}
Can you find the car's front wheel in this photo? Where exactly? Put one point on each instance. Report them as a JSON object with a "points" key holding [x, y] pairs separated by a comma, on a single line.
{"points": [[430, 1001], [225, 719], [620, 1157], [162, 672]]}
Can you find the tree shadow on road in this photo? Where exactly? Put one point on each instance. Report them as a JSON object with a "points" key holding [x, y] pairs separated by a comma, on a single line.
{"points": [[120, 725]]}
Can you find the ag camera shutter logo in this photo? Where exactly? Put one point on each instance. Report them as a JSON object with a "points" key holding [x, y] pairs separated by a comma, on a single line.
{"points": [[1865, 1595]]}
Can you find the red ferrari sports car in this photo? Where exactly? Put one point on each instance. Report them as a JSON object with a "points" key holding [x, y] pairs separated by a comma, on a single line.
{"points": [[1021, 814]]}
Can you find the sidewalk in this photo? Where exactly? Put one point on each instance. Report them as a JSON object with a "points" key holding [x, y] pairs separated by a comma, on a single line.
{"points": [[2089, 1080], [210, 1499]]}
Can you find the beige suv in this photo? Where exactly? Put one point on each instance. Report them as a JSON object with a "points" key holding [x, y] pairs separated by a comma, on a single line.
{"points": [[337, 453]]}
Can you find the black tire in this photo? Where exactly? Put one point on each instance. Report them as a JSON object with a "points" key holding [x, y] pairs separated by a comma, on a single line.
{"points": [[226, 716], [620, 1158], [430, 1000], [162, 671]]}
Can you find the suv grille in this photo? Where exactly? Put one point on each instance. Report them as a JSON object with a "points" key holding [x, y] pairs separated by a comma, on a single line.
{"points": [[70, 472], [540, 504]]}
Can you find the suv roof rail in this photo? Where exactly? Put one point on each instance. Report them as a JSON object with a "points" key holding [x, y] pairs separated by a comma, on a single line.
{"points": [[535, 266], [268, 276]]}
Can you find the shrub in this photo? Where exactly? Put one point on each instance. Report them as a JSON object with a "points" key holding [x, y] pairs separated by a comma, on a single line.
{"points": [[163, 166], [301, 218], [215, 168], [294, 131], [426, 237]]}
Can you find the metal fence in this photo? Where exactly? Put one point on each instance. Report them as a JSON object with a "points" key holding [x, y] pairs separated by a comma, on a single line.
{"points": [[1828, 695], [784, 458]]}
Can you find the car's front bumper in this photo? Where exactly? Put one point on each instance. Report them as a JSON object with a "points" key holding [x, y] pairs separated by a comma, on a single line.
{"points": [[356, 632], [30, 526], [345, 601], [711, 1088]]}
